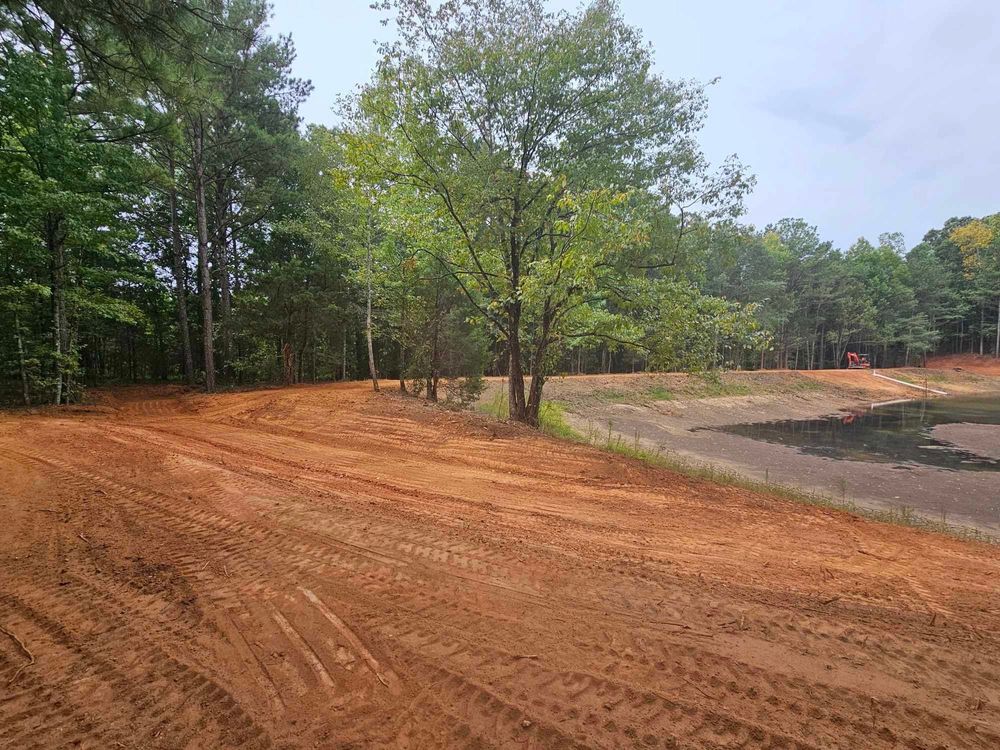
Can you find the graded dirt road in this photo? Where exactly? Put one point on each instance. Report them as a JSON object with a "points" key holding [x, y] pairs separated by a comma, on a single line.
{"points": [[321, 567]]}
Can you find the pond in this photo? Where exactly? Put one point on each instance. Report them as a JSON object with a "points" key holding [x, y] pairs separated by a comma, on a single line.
{"points": [[898, 433]]}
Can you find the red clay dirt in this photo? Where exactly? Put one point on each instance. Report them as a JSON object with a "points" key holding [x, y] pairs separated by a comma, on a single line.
{"points": [[978, 363], [323, 567]]}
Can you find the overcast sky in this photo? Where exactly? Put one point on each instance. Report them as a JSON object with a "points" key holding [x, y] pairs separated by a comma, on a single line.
{"points": [[860, 116]]}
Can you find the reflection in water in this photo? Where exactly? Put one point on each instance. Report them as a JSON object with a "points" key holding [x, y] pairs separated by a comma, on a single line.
{"points": [[896, 433]]}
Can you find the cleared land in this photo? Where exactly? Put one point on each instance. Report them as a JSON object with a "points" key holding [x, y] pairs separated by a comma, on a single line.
{"points": [[321, 567]]}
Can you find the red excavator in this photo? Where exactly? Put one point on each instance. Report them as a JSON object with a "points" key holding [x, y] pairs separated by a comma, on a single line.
{"points": [[857, 361]]}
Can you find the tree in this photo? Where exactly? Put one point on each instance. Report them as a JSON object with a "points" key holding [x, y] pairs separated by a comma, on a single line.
{"points": [[532, 130], [978, 242], [695, 332], [63, 188]]}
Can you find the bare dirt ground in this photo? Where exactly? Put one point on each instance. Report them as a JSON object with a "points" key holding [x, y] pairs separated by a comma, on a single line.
{"points": [[669, 411], [321, 567], [984, 365]]}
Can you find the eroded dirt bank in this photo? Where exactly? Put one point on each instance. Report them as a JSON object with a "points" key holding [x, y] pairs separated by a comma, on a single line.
{"points": [[320, 567], [669, 412]]}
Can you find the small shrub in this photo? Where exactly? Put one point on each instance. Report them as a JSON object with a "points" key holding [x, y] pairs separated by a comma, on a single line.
{"points": [[460, 393]]}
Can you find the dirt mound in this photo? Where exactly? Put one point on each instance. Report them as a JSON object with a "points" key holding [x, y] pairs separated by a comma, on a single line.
{"points": [[321, 567]]}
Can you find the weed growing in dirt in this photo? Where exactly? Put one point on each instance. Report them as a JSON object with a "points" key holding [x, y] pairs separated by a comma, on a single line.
{"points": [[712, 385], [495, 407], [551, 416], [659, 393], [552, 421]]}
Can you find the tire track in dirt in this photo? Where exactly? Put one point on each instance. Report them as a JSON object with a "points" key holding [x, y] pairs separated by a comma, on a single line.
{"points": [[230, 552], [126, 664], [217, 563]]}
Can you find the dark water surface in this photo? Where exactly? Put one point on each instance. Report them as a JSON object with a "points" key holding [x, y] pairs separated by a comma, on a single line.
{"points": [[896, 433]]}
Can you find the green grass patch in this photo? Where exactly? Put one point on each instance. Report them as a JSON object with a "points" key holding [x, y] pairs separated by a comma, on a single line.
{"points": [[552, 421], [551, 416], [713, 385], [659, 393], [716, 384], [804, 384], [494, 407], [639, 395]]}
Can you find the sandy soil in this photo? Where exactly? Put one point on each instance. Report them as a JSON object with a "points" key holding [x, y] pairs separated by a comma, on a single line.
{"points": [[321, 567], [981, 439]]}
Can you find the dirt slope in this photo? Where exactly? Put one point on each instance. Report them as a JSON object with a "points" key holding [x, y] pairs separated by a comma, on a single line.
{"points": [[675, 413], [319, 567], [982, 364]]}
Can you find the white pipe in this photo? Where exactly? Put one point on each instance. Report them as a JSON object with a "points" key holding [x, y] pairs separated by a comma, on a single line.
{"points": [[912, 385], [877, 404]]}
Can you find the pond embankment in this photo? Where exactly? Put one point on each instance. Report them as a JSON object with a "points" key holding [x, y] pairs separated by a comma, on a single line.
{"points": [[678, 414]]}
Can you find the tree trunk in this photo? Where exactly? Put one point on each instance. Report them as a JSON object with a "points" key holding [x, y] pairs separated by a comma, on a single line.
{"points": [[996, 350], [515, 372], [179, 262], [402, 340], [20, 360], [60, 332], [203, 268], [287, 364], [982, 328], [368, 315], [434, 366], [220, 257], [534, 405]]}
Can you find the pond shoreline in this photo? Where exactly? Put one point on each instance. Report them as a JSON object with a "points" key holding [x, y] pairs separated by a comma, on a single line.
{"points": [[672, 425], [983, 439]]}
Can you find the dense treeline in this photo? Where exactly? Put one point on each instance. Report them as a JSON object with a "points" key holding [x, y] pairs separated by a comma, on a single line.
{"points": [[514, 192], [943, 295]]}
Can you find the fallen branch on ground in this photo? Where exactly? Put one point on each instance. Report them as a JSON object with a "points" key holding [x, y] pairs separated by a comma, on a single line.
{"points": [[25, 649]]}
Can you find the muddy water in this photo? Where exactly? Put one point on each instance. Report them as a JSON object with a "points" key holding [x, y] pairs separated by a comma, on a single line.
{"points": [[899, 434]]}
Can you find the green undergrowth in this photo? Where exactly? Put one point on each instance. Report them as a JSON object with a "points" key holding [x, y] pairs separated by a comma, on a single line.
{"points": [[553, 422], [551, 416]]}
